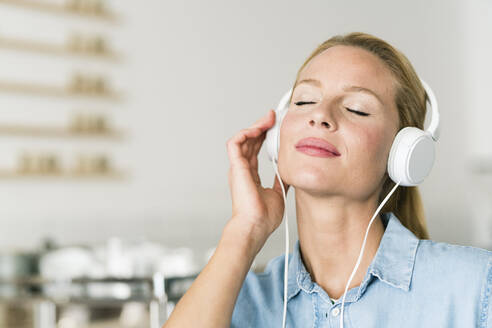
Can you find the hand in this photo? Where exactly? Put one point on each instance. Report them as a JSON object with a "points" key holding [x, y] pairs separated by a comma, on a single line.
{"points": [[253, 205]]}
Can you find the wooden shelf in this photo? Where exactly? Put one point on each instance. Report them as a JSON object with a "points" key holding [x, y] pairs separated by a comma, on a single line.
{"points": [[46, 90], [62, 9], [55, 49], [57, 132], [12, 174]]}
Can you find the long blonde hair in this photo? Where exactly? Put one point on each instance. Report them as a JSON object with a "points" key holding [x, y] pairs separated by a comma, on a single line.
{"points": [[410, 99]]}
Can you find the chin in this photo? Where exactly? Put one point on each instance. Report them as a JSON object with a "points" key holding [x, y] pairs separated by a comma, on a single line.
{"points": [[314, 183]]}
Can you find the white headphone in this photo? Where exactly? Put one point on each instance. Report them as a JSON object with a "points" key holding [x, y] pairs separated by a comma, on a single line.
{"points": [[410, 161], [412, 153]]}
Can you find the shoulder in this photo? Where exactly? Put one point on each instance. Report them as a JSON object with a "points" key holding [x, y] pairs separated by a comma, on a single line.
{"points": [[260, 293], [464, 272], [461, 257], [455, 264], [262, 285]]}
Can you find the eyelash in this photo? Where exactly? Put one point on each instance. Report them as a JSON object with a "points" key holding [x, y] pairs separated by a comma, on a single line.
{"points": [[350, 110]]}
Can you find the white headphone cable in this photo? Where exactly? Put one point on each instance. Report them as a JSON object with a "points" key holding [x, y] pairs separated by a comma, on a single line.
{"points": [[362, 249], [287, 245]]}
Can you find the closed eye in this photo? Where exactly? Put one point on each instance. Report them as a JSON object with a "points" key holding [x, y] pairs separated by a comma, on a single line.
{"points": [[357, 112], [300, 103]]}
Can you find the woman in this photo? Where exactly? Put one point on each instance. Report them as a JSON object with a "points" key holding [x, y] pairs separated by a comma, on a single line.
{"points": [[404, 279]]}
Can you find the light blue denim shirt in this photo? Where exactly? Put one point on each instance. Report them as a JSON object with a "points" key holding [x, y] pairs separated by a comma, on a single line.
{"points": [[410, 282]]}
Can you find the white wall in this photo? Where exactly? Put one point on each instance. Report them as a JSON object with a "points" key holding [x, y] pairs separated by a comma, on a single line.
{"points": [[478, 85], [197, 72]]}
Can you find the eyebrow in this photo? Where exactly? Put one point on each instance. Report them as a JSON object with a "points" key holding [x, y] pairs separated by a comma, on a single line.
{"points": [[345, 88]]}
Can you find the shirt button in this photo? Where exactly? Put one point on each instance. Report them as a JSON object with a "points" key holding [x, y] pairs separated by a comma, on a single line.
{"points": [[335, 312]]}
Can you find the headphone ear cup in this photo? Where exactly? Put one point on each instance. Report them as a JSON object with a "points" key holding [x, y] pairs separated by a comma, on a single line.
{"points": [[272, 139], [411, 156]]}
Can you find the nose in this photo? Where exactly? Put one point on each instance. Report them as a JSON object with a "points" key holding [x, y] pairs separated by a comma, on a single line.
{"points": [[322, 116]]}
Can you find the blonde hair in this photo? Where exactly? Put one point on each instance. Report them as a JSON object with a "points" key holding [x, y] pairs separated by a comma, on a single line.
{"points": [[410, 99]]}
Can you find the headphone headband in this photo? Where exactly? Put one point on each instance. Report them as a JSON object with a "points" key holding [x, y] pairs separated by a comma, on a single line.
{"points": [[433, 128]]}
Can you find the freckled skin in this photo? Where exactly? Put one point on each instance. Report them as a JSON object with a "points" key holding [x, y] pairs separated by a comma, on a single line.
{"points": [[363, 141]]}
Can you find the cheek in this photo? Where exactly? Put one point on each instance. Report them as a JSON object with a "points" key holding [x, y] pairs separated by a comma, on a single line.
{"points": [[372, 146], [287, 131]]}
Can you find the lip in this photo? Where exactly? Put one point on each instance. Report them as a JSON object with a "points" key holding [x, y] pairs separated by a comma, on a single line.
{"points": [[317, 147]]}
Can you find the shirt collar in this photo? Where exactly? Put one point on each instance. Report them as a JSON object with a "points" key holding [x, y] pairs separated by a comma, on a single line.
{"points": [[393, 263]]}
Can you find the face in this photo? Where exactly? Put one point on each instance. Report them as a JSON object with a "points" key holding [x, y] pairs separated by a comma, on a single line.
{"points": [[324, 109]]}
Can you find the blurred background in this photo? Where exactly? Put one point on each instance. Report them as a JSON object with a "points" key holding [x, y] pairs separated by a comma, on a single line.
{"points": [[114, 117]]}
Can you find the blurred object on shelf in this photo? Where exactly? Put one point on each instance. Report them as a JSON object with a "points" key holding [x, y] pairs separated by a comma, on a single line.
{"points": [[118, 259], [84, 123], [90, 164], [47, 164], [78, 86], [93, 7], [75, 315], [116, 284], [87, 8], [75, 45], [18, 264], [98, 45], [101, 164], [83, 165], [134, 314], [88, 84], [26, 163], [99, 85], [95, 45], [177, 262], [39, 313], [43, 163], [69, 262], [100, 124], [16, 314]]}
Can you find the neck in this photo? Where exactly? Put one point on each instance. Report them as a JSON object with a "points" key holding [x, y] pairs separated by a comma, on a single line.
{"points": [[331, 232]]}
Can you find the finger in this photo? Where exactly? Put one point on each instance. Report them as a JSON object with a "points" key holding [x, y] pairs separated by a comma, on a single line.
{"points": [[262, 125], [234, 151], [258, 144], [265, 126], [234, 145], [255, 144], [237, 146], [246, 135], [254, 136]]}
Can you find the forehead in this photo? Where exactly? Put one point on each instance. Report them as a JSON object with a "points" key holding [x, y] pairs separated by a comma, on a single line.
{"points": [[342, 65]]}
